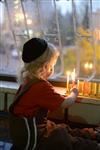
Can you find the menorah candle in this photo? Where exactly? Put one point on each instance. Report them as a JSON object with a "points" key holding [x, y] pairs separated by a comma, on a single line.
{"points": [[82, 87], [91, 93], [78, 86], [73, 77], [93, 88], [98, 90], [86, 88], [67, 82], [78, 83], [89, 88]]}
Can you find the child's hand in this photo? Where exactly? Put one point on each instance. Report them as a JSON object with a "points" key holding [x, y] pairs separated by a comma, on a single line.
{"points": [[74, 90], [74, 86]]}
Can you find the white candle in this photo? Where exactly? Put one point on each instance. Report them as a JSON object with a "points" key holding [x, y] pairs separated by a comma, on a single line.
{"points": [[78, 82], [73, 76]]}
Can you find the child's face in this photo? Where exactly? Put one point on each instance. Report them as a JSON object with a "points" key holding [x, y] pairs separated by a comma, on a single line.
{"points": [[49, 72], [50, 69]]}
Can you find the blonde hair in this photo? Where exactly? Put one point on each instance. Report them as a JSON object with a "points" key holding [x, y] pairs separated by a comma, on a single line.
{"points": [[38, 67]]}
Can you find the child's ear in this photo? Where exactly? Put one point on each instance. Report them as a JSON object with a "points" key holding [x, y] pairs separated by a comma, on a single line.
{"points": [[45, 66]]}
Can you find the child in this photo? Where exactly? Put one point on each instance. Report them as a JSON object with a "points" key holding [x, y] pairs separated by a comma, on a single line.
{"points": [[35, 97]]}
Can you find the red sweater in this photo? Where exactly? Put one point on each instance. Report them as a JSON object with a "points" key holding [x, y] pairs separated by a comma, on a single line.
{"points": [[39, 95]]}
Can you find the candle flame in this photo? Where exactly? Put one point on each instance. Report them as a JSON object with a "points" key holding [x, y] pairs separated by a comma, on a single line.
{"points": [[90, 65], [86, 65], [68, 73]]}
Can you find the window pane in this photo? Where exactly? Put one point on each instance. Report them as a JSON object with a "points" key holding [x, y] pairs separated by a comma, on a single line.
{"points": [[72, 26], [87, 26], [9, 54]]}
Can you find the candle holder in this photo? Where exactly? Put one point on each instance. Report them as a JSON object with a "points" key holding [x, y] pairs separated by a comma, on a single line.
{"points": [[85, 88], [89, 89]]}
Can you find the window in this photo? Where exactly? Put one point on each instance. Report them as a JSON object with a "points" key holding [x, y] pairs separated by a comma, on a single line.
{"points": [[73, 26]]}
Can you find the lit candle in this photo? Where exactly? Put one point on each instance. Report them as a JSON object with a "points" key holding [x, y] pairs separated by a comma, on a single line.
{"points": [[67, 85], [78, 82], [73, 77]]}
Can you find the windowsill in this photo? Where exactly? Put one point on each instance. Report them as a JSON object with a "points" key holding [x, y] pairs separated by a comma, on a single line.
{"points": [[11, 87], [59, 81], [7, 77]]}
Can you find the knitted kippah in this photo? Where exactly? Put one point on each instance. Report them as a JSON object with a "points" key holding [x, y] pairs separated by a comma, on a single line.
{"points": [[33, 48]]}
